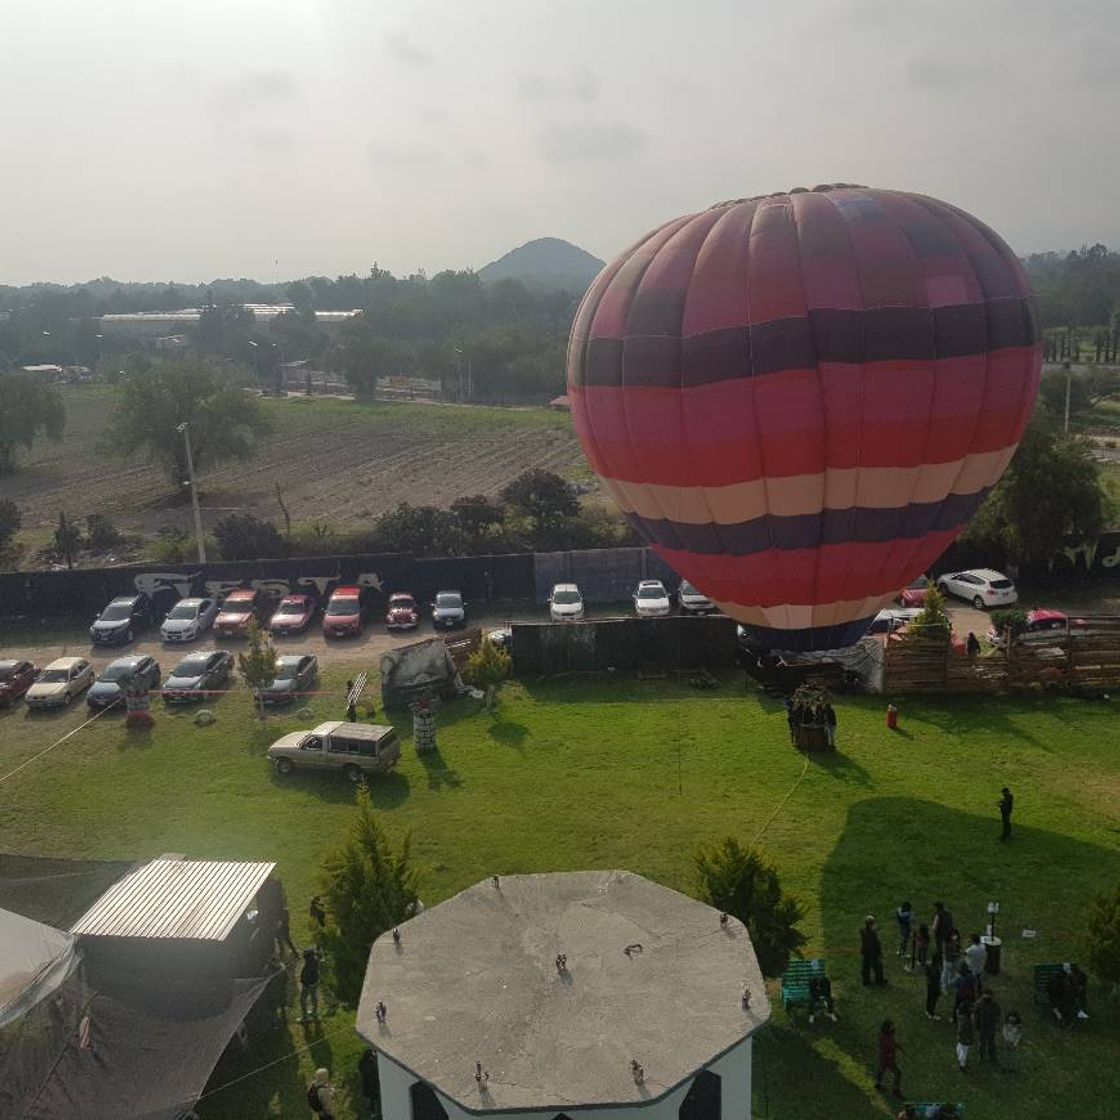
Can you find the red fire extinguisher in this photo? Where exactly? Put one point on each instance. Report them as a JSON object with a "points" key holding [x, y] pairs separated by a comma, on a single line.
{"points": [[892, 717]]}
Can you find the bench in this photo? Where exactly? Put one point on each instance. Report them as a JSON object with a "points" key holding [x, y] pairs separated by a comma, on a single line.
{"points": [[925, 1109], [1043, 975], [795, 982]]}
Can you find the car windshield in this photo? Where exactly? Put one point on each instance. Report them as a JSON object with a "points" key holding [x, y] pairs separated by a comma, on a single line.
{"points": [[342, 606], [688, 589], [449, 599], [404, 603], [290, 608], [651, 593], [286, 671], [236, 606], [566, 598], [7, 672], [117, 672], [1001, 584], [190, 667], [116, 612], [53, 676], [919, 584], [184, 610]]}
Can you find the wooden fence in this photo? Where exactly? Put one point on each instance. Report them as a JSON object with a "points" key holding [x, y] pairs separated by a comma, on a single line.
{"points": [[1086, 654]]}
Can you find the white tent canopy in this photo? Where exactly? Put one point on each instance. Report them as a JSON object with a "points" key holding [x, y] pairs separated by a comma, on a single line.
{"points": [[36, 959]]}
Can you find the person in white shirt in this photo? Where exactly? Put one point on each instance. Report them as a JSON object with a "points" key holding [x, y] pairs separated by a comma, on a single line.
{"points": [[975, 954]]}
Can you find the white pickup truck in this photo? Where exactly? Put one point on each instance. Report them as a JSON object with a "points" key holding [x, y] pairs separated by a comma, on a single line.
{"points": [[357, 749]]}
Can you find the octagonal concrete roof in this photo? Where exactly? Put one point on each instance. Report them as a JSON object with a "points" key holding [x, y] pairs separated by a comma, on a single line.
{"points": [[474, 979]]}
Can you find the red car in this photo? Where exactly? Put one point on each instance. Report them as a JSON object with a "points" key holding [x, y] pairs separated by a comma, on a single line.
{"points": [[238, 609], [343, 616], [16, 677], [914, 594], [402, 614], [293, 614]]}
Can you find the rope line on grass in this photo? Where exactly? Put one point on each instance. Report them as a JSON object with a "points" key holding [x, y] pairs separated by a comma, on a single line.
{"points": [[275, 1062], [81, 727], [781, 804]]}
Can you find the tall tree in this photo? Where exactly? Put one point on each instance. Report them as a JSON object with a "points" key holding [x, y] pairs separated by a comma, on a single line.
{"points": [[67, 538], [743, 883], [1102, 940], [369, 888], [487, 667], [29, 407], [1050, 493], [257, 664], [225, 422], [545, 498]]}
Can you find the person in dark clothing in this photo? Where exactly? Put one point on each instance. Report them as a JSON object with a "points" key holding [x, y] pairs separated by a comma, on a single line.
{"points": [[919, 948], [820, 991], [309, 986], [904, 915], [1060, 995], [318, 914], [870, 952], [932, 970], [941, 925], [973, 645], [889, 1049], [1006, 804], [830, 724], [284, 932], [966, 1036], [986, 1016], [791, 719], [371, 1080], [965, 990], [1078, 985]]}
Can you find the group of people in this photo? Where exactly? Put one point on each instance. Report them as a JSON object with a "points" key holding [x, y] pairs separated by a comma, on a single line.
{"points": [[799, 714], [1067, 992]]}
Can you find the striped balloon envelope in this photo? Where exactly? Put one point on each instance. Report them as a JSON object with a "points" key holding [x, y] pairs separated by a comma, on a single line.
{"points": [[800, 399]]}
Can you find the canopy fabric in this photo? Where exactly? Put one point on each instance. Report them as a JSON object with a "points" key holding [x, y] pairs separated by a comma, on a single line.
{"points": [[35, 959]]}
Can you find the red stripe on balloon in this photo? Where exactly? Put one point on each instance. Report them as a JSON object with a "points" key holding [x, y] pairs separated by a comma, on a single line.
{"points": [[804, 421], [827, 574]]}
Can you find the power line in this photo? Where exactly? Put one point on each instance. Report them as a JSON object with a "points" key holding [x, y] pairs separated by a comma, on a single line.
{"points": [[28, 762]]}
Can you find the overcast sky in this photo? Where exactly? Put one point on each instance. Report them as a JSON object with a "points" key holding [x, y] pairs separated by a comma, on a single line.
{"points": [[152, 140]]}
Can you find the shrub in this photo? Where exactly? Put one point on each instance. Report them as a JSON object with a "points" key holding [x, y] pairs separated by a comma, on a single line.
{"points": [[744, 884], [10, 521], [241, 536], [1102, 939], [102, 533], [932, 622], [1010, 618]]}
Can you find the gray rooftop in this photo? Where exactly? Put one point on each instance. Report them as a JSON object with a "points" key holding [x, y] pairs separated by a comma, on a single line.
{"points": [[475, 979]]}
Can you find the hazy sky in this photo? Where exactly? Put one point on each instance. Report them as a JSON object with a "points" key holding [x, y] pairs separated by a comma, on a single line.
{"points": [[149, 140]]}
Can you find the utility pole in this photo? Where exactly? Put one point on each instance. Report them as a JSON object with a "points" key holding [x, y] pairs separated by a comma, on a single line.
{"points": [[185, 429]]}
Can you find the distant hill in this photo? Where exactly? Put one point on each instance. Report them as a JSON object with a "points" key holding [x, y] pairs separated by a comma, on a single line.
{"points": [[547, 262]]}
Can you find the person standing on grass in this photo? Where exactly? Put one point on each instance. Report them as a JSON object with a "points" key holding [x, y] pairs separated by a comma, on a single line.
{"points": [[975, 955], [987, 1016], [309, 986], [318, 914], [830, 724], [320, 1095], [904, 915], [1006, 804], [941, 925], [889, 1049], [870, 952], [965, 990], [952, 952], [932, 970], [919, 952], [966, 1036]]}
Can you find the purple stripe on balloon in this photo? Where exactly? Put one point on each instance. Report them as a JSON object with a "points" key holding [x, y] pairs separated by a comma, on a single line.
{"points": [[809, 638]]}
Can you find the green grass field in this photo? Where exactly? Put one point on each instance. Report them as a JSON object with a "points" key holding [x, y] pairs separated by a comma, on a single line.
{"points": [[636, 775]]}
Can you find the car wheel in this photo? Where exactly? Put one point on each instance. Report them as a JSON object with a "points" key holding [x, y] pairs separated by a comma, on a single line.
{"points": [[284, 766], [943, 588], [353, 773], [978, 603]]}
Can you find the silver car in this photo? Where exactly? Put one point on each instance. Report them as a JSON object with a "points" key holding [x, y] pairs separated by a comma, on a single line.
{"points": [[59, 683]]}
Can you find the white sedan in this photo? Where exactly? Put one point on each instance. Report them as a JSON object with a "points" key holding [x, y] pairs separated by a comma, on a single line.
{"points": [[982, 587], [651, 600], [188, 619], [59, 683]]}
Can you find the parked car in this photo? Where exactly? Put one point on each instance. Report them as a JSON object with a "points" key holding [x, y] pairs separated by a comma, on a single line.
{"points": [[565, 603], [402, 613], [448, 610], [982, 587], [295, 674], [356, 749], [237, 611], [651, 600], [197, 674], [891, 620], [1042, 625], [16, 677], [914, 593], [119, 621], [59, 683], [692, 601], [343, 616], [106, 691], [293, 614], [188, 619]]}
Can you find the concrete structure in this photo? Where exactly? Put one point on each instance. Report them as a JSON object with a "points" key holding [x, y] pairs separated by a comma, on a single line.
{"points": [[596, 993]]}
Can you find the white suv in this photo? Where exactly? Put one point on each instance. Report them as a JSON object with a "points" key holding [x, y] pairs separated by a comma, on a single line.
{"points": [[982, 587], [651, 600], [565, 603]]}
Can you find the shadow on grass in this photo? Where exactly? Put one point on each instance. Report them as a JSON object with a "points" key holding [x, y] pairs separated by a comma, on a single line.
{"points": [[976, 714], [840, 766], [628, 687], [439, 773], [508, 733], [790, 1078], [387, 790], [895, 849]]}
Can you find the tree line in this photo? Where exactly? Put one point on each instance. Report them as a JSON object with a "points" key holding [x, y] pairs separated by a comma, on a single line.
{"points": [[1080, 288]]}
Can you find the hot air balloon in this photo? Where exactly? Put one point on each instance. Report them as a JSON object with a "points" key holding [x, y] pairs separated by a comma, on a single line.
{"points": [[801, 398]]}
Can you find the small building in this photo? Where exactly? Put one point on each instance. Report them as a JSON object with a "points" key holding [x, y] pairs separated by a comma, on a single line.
{"points": [[48, 372], [558, 995]]}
